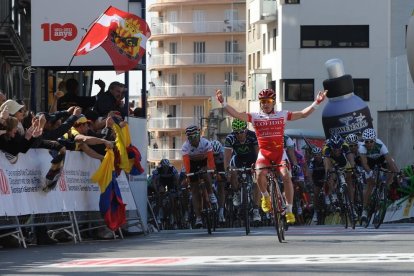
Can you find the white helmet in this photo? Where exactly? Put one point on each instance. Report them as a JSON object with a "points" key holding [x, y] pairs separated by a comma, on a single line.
{"points": [[369, 134]]}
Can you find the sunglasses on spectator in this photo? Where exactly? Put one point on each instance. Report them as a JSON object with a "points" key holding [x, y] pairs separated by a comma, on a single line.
{"points": [[352, 145], [369, 141], [239, 132], [266, 101]]}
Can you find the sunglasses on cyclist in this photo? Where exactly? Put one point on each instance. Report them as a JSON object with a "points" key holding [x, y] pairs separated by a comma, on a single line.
{"points": [[369, 141], [193, 137], [267, 101], [239, 132], [352, 146]]}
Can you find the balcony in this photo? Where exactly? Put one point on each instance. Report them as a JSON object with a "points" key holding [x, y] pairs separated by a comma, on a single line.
{"points": [[158, 154], [192, 59], [181, 91], [170, 123], [263, 11], [166, 28]]}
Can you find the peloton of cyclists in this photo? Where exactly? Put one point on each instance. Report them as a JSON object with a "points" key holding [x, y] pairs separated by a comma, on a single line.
{"points": [[373, 152], [240, 150], [269, 126], [198, 155]]}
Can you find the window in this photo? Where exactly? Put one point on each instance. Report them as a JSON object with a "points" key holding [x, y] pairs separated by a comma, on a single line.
{"points": [[298, 89], [274, 39], [264, 43], [351, 36], [258, 60], [199, 84], [173, 53], [292, 1], [199, 52], [361, 88]]}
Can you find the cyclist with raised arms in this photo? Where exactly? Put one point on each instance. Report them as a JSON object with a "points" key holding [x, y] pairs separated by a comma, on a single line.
{"points": [[269, 126], [240, 150], [373, 152], [197, 156]]}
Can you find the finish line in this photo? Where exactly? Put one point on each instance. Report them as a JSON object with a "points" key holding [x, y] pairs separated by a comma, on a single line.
{"points": [[239, 260]]}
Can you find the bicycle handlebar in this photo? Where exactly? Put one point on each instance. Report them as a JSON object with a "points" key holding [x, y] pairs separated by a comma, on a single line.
{"points": [[200, 172]]}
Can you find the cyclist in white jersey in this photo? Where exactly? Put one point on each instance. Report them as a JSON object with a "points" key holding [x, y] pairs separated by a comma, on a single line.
{"points": [[373, 152], [197, 156], [269, 126]]}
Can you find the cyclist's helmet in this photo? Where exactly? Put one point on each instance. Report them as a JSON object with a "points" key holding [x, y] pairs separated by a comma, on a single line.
{"points": [[164, 163], [217, 147], [238, 125], [316, 150], [369, 134], [192, 130], [336, 141], [351, 139], [267, 94]]}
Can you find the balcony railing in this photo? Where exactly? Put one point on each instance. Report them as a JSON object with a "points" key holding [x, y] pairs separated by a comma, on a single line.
{"points": [[159, 28], [184, 90], [197, 59], [158, 154], [171, 122]]}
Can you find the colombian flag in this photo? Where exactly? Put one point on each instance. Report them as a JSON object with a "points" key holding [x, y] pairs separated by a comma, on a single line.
{"points": [[111, 205]]}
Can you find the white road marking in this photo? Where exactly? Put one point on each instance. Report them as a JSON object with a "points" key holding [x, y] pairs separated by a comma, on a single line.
{"points": [[241, 260]]}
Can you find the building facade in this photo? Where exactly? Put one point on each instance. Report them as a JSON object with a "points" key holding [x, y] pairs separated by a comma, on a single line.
{"points": [[289, 41], [196, 47]]}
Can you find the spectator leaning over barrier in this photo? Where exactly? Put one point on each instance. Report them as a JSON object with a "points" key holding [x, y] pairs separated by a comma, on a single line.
{"points": [[78, 134], [13, 142], [16, 110]]}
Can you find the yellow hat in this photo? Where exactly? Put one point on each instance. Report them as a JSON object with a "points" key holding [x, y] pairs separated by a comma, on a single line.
{"points": [[82, 119]]}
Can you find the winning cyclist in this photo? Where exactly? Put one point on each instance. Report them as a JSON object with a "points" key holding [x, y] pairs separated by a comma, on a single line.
{"points": [[373, 152], [198, 155], [240, 150], [269, 126]]}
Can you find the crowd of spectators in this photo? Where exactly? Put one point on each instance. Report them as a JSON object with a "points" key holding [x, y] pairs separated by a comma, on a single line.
{"points": [[73, 122]]}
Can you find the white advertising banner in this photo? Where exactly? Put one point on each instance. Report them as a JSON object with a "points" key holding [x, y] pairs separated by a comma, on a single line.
{"points": [[20, 185], [58, 27], [400, 209]]}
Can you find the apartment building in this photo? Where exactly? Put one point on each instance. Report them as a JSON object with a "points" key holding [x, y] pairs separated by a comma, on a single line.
{"points": [[288, 42], [196, 47]]}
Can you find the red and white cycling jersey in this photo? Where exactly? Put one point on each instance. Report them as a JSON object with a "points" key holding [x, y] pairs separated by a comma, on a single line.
{"points": [[269, 130]]}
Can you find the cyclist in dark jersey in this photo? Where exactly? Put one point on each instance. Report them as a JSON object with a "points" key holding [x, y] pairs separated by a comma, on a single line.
{"points": [[317, 170], [240, 150], [164, 179], [220, 178], [337, 153]]}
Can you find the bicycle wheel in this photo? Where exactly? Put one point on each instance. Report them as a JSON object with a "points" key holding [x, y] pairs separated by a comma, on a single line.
{"points": [[380, 207], [245, 206], [358, 200], [349, 208], [277, 211], [322, 208]]}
